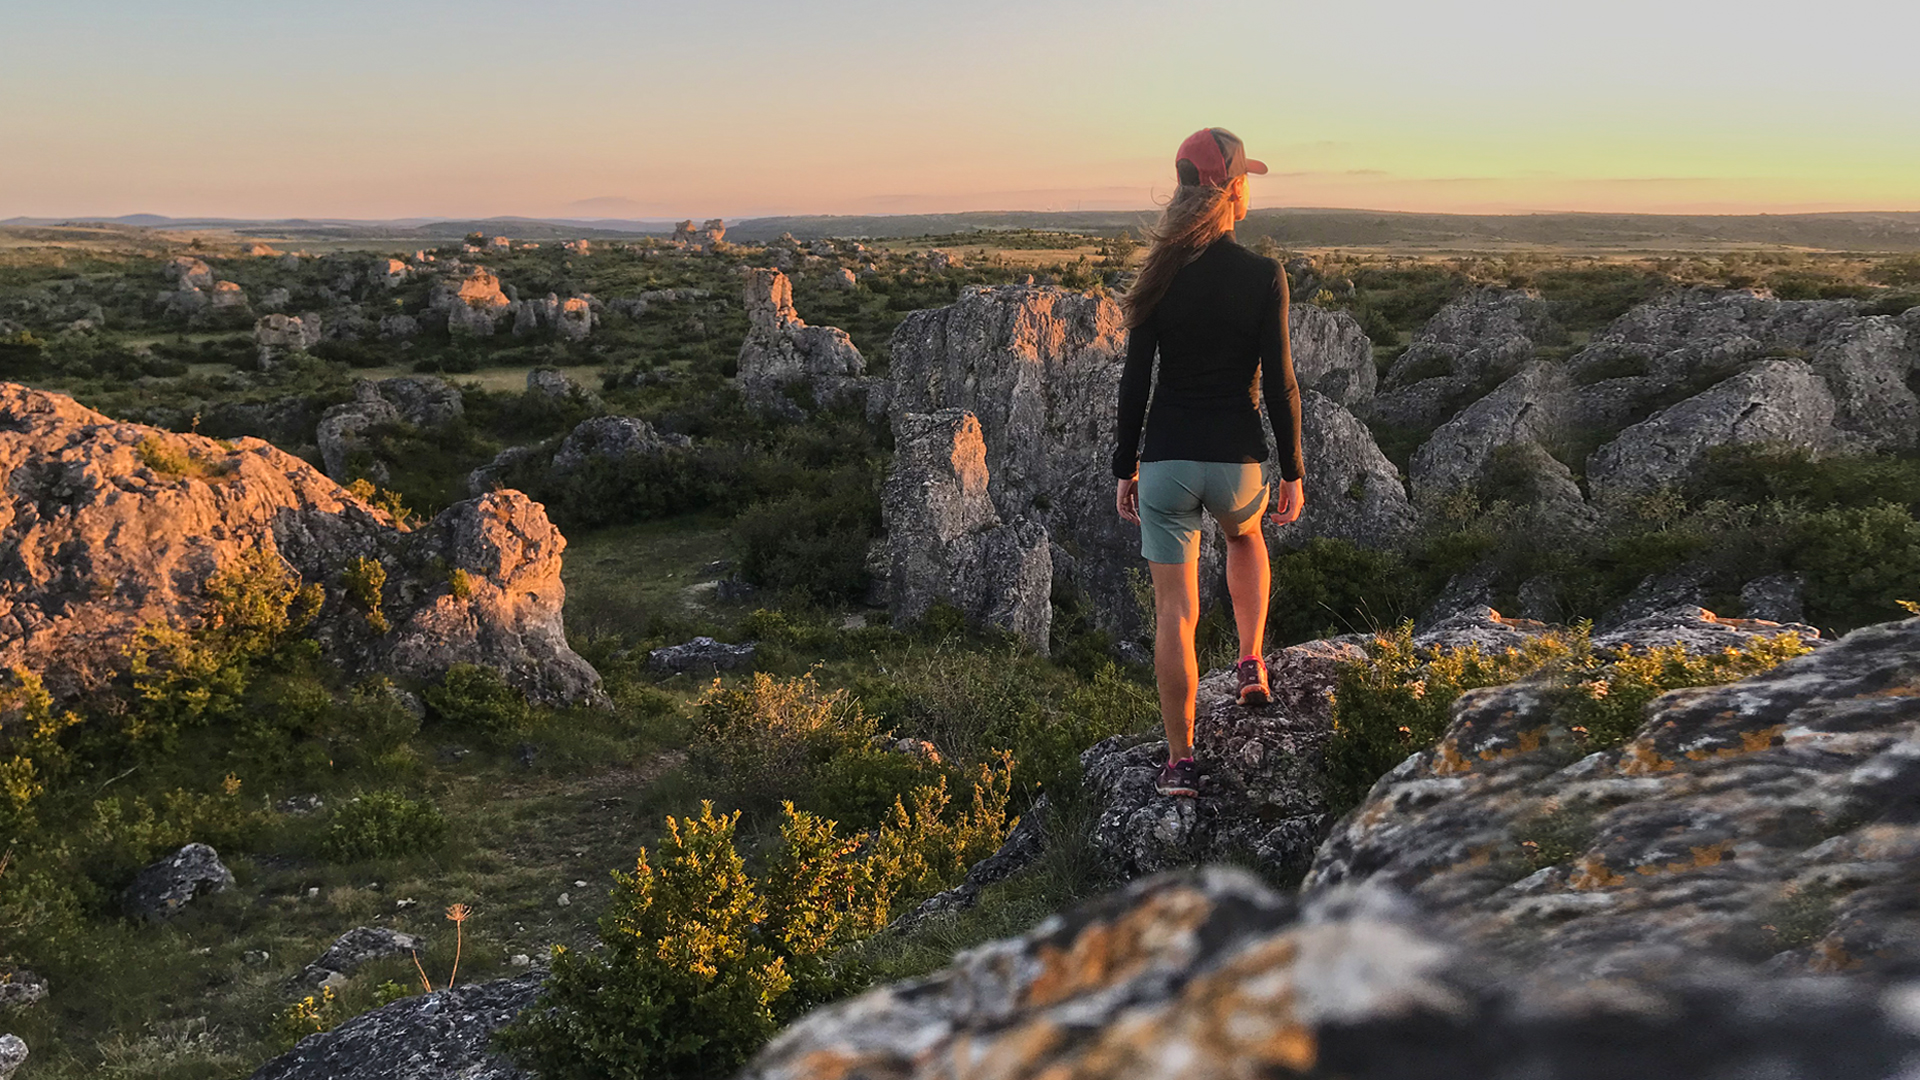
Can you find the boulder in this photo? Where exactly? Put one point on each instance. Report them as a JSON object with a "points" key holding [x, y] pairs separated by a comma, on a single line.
{"points": [[1774, 401], [20, 988], [226, 294], [1353, 492], [1777, 597], [782, 353], [489, 477], [473, 302], [1025, 843], [1476, 337], [1039, 367], [1763, 822], [551, 384], [605, 438], [839, 279], [701, 654], [279, 331], [947, 544], [421, 400], [1211, 975], [76, 590], [573, 318], [357, 947], [161, 889], [1332, 356], [1262, 792], [13, 1054], [275, 300], [399, 327], [439, 1036], [386, 273], [187, 272], [1527, 408]]}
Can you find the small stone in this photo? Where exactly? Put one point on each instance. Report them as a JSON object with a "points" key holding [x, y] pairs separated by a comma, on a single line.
{"points": [[13, 1054], [255, 957], [565, 900], [333, 981], [520, 959], [405, 904], [579, 884], [313, 893]]}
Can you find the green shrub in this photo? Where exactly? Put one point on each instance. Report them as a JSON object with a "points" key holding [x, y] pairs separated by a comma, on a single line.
{"points": [[365, 579], [1338, 585], [382, 825], [480, 699], [768, 739], [1607, 707], [813, 543]]}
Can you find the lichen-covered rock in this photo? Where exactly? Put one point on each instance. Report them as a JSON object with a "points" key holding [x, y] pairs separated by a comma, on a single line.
{"points": [[20, 988], [399, 327], [1774, 401], [437, 1036], [357, 947], [82, 488], [473, 303], [421, 400], [188, 272], [1529, 407], [1766, 821], [13, 1054], [1353, 492], [702, 654], [1039, 367], [605, 438], [1332, 356], [1262, 794], [161, 889], [782, 353], [1778, 597], [1209, 975], [1478, 336], [1025, 843], [279, 331], [946, 543]]}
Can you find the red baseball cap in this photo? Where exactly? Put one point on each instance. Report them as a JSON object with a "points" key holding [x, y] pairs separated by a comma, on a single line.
{"points": [[1213, 156]]}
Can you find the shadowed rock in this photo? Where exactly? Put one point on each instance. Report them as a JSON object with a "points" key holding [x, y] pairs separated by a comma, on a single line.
{"points": [[782, 353], [1353, 492], [437, 1036], [160, 890], [1332, 356], [357, 947]]}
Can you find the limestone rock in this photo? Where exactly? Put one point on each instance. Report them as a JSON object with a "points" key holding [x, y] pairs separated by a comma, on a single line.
{"points": [[1332, 356], [422, 400], [1262, 794], [279, 331], [188, 273], [551, 384], [13, 1054], [488, 477], [946, 543], [473, 302], [612, 438], [839, 279], [1778, 597], [1210, 975], [1774, 401], [399, 327], [701, 654], [75, 590], [1025, 843], [356, 947], [225, 294], [782, 352], [1726, 808], [1478, 336], [161, 889], [20, 988], [386, 273], [275, 299], [1039, 367], [1353, 492], [437, 1036], [1527, 408]]}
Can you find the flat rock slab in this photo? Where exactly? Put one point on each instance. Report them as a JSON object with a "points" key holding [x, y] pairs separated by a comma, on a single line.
{"points": [[437, 1036]]}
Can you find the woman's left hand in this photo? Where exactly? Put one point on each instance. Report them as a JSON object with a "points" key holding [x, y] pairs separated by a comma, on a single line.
{"points": [[1126, 499]]}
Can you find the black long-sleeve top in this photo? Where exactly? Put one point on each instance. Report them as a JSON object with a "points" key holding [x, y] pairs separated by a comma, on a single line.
{"points": [[1222, 323]]}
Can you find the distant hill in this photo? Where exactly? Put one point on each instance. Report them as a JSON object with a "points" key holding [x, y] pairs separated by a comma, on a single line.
{"points": [[1893, 231]]}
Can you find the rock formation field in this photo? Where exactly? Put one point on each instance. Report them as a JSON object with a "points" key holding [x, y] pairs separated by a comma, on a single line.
{"points": [[564, 656]]}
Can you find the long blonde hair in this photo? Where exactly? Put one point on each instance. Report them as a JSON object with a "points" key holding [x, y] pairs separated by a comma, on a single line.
{"points": [[1194, 218]]}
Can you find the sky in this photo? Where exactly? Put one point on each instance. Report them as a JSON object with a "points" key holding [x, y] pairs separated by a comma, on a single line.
{"points": [[739, 108]]}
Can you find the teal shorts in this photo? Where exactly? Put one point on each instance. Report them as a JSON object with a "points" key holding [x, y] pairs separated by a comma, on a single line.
{"points": [[1172, 494]]}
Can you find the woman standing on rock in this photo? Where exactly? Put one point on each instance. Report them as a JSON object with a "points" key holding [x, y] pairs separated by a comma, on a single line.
{"points": [[1216, 314]]}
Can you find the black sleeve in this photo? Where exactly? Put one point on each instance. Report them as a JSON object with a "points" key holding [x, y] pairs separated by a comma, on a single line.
{"points": [[1135, 382], [1277, 381]]}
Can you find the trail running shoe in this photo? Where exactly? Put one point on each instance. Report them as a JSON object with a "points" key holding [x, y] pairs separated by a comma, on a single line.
{"points": [[1254, 691], [1179, 778]]}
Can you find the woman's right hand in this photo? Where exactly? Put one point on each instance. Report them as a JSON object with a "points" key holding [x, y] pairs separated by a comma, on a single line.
{"points": [[1289, 498], [1126, 499]]}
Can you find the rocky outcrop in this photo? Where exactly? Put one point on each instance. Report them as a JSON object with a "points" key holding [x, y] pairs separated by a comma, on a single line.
{"points": [[1025, 843], [473, 302], [702, 654], [226, 294], [782, 353], [1039, 367], [437, 1036], [13, 1054], [569, 320], [279, 331], [1210, 975], [356, 948], [109, 526], [1262, 792], [1332, 356], [399, 327], [1353, 492], [1765, 821], [161, 890], [608, 438], [703, 238], [634, 307], [947, 544], [1527, 408], [386, 273], [1774, 401], [421, 400], [1474, 338]]}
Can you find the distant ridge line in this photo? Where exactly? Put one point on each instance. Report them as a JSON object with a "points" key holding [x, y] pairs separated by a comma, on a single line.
{"points": [[1307, 227]]}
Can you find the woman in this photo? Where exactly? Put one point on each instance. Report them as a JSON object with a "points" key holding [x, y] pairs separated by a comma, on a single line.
{"points": [[1216, 314]]}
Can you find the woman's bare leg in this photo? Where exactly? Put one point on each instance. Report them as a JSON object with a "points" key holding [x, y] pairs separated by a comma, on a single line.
{"points": [[1176, 609], [1250, 583]]}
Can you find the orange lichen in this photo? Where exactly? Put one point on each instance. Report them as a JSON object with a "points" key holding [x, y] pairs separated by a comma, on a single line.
{"points": [[1592, 873], [1830, 956], [1751, 742], [1105, 953], [1643, 760], [1450, 760]]}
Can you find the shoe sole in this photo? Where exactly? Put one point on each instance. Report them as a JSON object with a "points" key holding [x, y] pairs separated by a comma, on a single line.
{"points": [[1182, 791], [1254, 698]]}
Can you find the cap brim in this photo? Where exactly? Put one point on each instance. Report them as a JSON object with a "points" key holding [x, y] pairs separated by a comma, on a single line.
{"points": [[1258, 168]]}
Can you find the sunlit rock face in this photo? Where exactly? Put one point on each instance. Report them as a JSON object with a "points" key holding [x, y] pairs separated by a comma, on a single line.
{"points": [[1332, 356], [947, 544], [1039, 366], [782, 354], [107, 526]]}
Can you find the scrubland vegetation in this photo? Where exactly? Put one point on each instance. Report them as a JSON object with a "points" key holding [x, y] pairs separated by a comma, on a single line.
{"points": [[744, 839]]}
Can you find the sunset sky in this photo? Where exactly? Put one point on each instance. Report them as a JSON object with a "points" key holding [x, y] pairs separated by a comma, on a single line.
{"points": [[735, 108]]}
